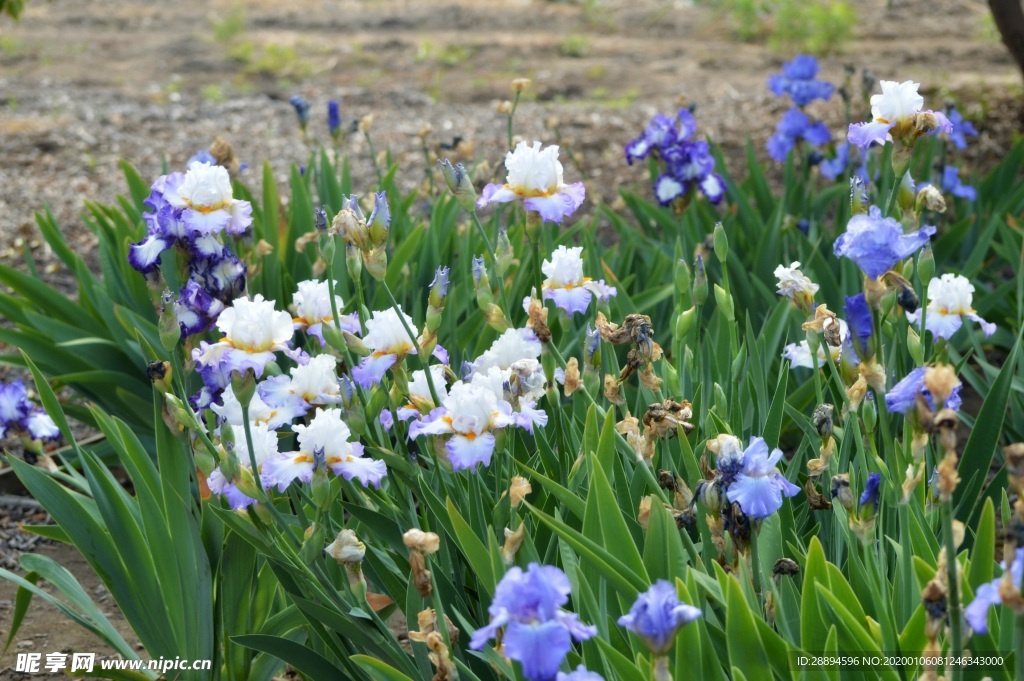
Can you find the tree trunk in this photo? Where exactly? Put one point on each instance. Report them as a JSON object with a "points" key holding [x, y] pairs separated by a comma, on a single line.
{"points": [[1009, 18]]}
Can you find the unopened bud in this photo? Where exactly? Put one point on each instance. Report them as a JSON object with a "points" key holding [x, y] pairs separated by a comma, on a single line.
{"points": [[724, 301], [700, 281], [459, 183], [721, 243]]}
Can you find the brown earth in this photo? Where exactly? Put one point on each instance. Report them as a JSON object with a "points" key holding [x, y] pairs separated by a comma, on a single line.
{"points": [[85, 84]]}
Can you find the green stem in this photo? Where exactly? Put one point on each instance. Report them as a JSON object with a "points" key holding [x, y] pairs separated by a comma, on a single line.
{"points": [[412, 336], [956, 644], [511, 114], [494, 259], [755, 562]]}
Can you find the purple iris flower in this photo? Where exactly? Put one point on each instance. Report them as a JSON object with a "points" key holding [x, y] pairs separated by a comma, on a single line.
{"points": [[951, 184], [538, 632], [858, 318], [334, 118], [870, 494], [301, 107], [798, 81], [201, 156], [903, 396], [961, 128], [759, 487], [795, 126], [987, 595], [657, 616], [688, 163], [17, 411], [875, 243], [833, 168]]}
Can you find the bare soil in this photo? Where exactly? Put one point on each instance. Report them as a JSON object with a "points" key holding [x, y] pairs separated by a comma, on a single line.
{"points": [[85, 84]]}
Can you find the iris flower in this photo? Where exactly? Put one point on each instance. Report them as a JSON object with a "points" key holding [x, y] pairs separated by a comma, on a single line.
{"points": [[535, 178]]}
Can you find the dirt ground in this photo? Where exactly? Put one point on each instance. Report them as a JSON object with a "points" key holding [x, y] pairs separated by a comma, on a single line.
{"points": [[85, 84]]}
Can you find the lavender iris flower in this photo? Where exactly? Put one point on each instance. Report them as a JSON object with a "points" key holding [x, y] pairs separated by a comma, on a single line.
{"points": [[538, 632], [961, 128], [902, 397], [875, 243], [987, 595], [951, 184], [760, 486], [657, 616]]}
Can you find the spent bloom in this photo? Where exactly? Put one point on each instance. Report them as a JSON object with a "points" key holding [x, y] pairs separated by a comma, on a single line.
{"points": [[253, 331], [799, 354], [876, 243], [657, 616], [798, 80], [903, 396], [566, 285], [388, 340], [949, 299], [759, 486], [311, 305], [687, 163], [323, 443], [538, 632], [17, 412], [897, 114], [535, 178], [793, 284], [989, 594]]}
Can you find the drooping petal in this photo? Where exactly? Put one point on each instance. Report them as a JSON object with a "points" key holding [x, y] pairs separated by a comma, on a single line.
{"points": [[976, 613], [863, 135], [539, 648], [466, 452], [372, 369]]}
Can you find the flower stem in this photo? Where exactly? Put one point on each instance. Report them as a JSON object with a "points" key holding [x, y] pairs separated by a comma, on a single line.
{"points": [[953, 598], [755, 562], [494, 259], [660, 671]]}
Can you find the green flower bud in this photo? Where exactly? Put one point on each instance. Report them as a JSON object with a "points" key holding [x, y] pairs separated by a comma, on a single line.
{"points": [[869, 415], [914, 346], [926, 264], [682, 277], [700, 281], [685, 322], [724, 301], [721, 243]]}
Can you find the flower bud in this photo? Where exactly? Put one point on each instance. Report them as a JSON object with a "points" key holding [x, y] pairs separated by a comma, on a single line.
{"points": [[906, 196], [926, 264], [700, 281], [682, 277], [822, 419], [520, 84], [685, 322], [724, 301], [858, 196], [914, 346], [721, 243], [459, 183], [869, 415]]}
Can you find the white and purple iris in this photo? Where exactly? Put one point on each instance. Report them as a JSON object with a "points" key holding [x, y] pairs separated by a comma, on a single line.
{"points": [[311, 306], [388, 341], [535, 178], [566, 285], [876, 243], [420, 399], [324, 443], [264, 447], [903, 396], [230, 410], [949, 301], [538, 632], [657, 616], [689, 165], [895, 113], [988, 595], [515, 357], [758, 486], [253, 331], [17, 412], [314, 383], [470, 414]]}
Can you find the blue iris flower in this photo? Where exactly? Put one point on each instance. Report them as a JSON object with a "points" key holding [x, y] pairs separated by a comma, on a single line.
{"points": [[876, 243], [657, 615], [795, 126], [798, 81], [902, 397]]}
